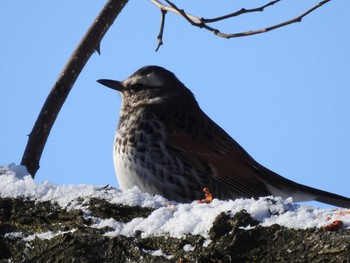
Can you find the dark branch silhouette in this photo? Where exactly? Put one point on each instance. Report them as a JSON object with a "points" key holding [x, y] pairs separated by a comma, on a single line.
{"points": [[161, 30], [203, 22], [54, 102]]}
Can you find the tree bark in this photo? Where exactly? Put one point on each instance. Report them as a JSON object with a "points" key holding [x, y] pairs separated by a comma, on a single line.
{"points": [[57, 96]]}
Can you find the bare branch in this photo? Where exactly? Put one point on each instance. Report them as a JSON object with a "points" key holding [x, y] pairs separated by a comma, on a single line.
{"points": [[54, 102], [202, 22], [239, 12], [161, 30], [264, 30], [188, 17], [169, 8]]}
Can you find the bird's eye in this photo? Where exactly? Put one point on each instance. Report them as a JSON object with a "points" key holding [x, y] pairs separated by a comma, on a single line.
{"points": [[137, 86]]}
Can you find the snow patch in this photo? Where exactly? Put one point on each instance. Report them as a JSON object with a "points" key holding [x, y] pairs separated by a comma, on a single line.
{"points": [[171, 219], [188, 247], [42, 236], [157, 253]]}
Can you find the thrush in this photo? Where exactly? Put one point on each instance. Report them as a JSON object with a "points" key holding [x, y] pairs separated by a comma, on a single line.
{"points": [[165, 144]]}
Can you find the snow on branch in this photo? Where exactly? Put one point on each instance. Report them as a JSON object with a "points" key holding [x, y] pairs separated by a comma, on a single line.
{"points": [[201, 22]]}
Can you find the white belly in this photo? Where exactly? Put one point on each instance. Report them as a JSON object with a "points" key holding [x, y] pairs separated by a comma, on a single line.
{"points": [[131, 172]]}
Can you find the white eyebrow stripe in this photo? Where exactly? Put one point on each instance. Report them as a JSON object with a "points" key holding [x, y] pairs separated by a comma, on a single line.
{"points": [[150, 79]]}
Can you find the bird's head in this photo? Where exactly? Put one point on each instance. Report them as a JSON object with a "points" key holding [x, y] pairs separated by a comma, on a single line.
{"points": [[148, 85]]}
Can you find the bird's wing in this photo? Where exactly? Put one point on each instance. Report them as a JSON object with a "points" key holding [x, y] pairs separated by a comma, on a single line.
{"points": [[201, 143]]}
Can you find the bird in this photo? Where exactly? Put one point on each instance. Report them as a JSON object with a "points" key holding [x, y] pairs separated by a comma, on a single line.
{"points": [[165, 144]]}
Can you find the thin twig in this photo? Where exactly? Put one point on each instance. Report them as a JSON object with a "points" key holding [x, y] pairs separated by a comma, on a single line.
{"points": [[267, 29], [193, 23], [202, 22], [239, 12], [161, 30], [168, 8]]}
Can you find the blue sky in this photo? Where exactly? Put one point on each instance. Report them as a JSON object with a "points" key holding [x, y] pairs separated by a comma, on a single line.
{"points": [[283, 95]]}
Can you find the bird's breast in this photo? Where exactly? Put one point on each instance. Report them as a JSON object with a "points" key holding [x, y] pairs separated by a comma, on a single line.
{"points": [[142, 158], [139, 152]]}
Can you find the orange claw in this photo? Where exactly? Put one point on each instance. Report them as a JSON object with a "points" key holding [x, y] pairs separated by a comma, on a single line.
{"points": [[335, 225], [208, 197]]}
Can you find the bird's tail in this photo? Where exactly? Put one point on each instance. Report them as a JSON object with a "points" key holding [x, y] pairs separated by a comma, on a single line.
{"points": [[280, 186]]}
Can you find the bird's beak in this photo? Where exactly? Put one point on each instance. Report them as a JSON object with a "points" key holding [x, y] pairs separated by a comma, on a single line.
{"points": [[113, 84]]}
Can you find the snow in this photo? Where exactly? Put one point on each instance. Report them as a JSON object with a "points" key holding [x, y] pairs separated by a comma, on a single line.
{"points": [[45, 235], [157, 253], [15, 182], [168, 218], [207, 242], [42, 236], [188, 247]]}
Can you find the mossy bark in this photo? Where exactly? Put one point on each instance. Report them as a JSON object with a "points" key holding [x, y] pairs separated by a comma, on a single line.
{"points": [[75, 240]]}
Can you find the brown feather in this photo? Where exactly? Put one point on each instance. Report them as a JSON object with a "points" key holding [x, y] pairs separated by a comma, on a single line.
{"points": [[203, 145]]}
